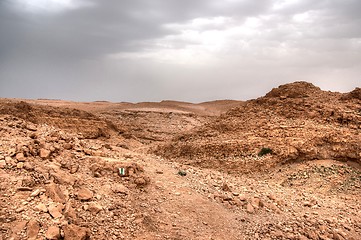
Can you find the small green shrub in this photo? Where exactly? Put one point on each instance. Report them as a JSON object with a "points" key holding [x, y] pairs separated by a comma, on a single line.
{"points": [[264, 151], [182, 173]]}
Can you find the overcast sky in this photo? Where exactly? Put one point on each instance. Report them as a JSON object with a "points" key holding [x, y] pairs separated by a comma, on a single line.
{"points": [[189, 50]]}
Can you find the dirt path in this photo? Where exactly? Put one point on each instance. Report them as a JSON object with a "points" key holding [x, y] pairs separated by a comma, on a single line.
{"points": [[182, 213]]}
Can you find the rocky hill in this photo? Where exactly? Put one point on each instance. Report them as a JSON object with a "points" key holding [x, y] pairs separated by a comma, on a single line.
{"points": [[294, 122]]}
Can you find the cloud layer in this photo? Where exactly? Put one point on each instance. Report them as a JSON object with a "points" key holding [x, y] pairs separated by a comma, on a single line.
{"points": [[138, 50]]}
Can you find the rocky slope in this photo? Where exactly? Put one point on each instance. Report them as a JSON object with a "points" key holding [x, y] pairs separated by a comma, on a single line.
{"points": [[86, 170], [294, 122]]}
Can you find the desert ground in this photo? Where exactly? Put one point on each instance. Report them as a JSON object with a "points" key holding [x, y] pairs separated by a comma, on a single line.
{"points": [[286, 165]]}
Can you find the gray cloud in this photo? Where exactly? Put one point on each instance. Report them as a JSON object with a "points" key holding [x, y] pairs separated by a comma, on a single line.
{"points": [[137, 50]]}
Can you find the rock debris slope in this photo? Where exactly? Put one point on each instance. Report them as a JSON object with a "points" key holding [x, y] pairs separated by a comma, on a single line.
{"points": [[284, 166], [298, 122]]}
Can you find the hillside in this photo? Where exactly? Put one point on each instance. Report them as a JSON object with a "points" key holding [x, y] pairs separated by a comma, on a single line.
{"points": [[298, 122], [283, 166]]}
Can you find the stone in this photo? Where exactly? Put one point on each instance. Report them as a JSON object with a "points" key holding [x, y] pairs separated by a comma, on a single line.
{"points": [[31, 127], [120, 188], [68, 146], [85, 194], [53, 233], [32, 229], [272, 197], [35, 193], [141, 181], [250, 208], [54, 192], [44, 153], [62, 177], [69, 212], [20, 157], [41, 207], [74, 232], [19, 210], [273, 207], [56, 210], [2, 163], [225, 187], [255, 202], [242, 197], [19, 165], [18, 227], [74, 168], [28, 181], [28, 166], [94, 208]]}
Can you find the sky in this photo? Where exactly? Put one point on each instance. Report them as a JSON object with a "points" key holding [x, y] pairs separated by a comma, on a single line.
{"points": [[186, 50]]}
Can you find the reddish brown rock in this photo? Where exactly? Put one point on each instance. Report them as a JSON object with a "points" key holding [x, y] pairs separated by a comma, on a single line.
{"points": [[95, 208], [41, 207], [69, 212], [62, 177], [18, 227], [54, 192], [44, 153], [120, 188], [20, 157], [55, 210], [74, 232], [68, 146], [53, 233], [242, 197], [255, 202], [2, 163], [32, 229], [85, 194], [250, 208], [142, 181]]}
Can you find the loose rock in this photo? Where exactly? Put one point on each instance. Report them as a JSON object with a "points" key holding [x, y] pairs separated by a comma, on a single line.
{"points": [[85, 194], [74, 232], [53, 233], [32, 229]]}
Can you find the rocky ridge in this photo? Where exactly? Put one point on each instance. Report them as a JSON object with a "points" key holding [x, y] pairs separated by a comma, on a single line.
{"points": [[298, 122]]}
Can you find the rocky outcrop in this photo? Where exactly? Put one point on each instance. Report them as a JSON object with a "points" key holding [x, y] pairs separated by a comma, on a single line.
{"points": [[298, 122]]}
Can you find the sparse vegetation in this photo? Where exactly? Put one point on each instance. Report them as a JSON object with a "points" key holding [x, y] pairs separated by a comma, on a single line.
{"points": [[182, 173]]}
